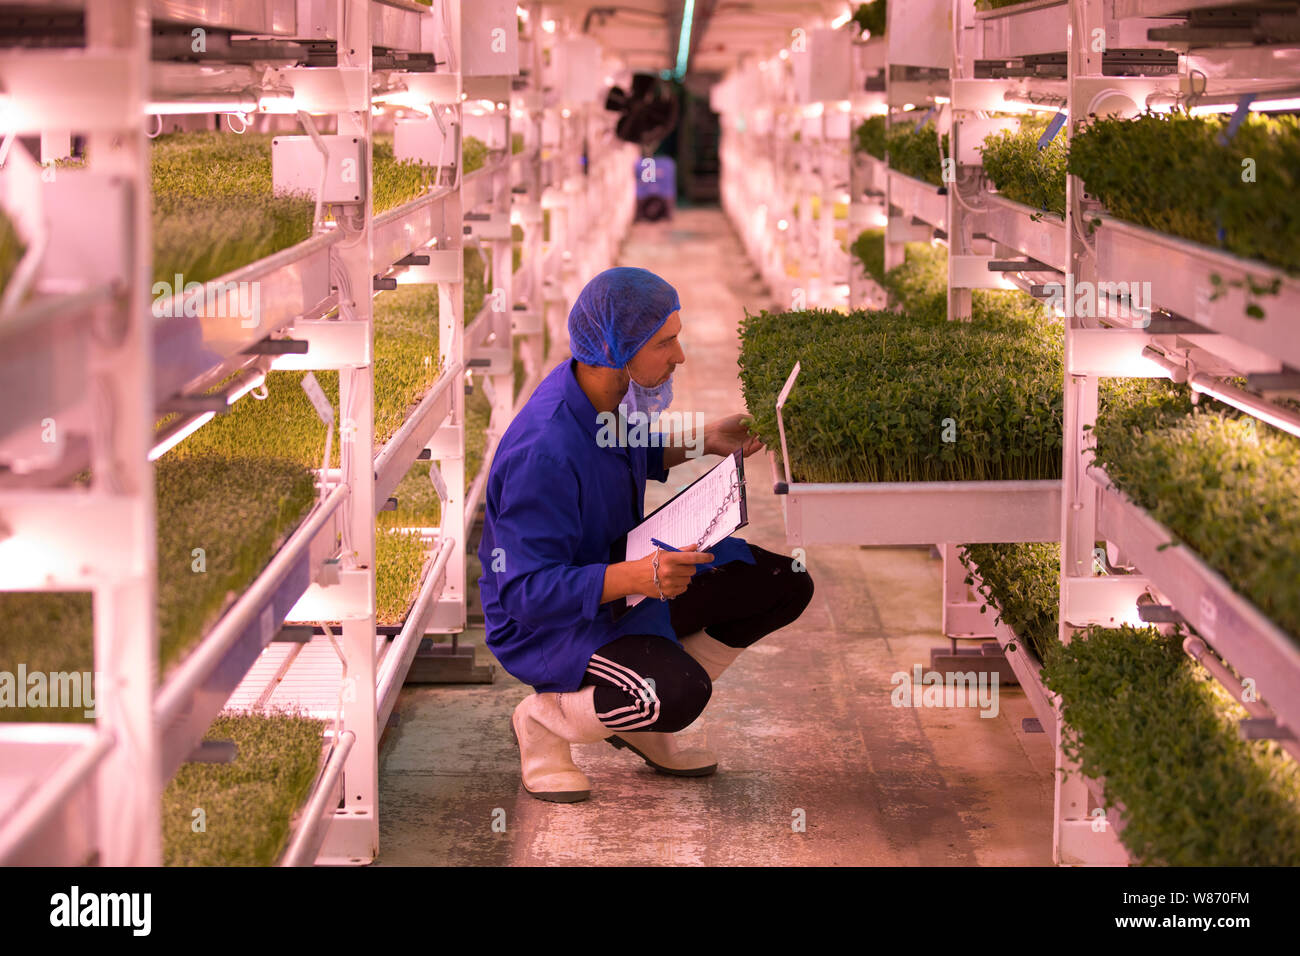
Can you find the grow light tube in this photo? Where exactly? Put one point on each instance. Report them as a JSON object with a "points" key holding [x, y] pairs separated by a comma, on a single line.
{"points": [[1016, 105], [179, 433], [1255, 106], [251, 383], [240, 104], [1199, 651], [1274, 415]]}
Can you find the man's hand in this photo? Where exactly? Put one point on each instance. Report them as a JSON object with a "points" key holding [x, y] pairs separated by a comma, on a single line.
{"points": [[638, 577], [725, 435], [676, 568]]}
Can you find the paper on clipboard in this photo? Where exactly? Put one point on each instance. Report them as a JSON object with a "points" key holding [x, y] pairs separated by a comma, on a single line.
{"points": [[685, 519]]}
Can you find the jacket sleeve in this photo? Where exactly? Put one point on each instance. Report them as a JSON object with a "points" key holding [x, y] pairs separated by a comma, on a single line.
{"points": [[538, 526], [655, 470]]}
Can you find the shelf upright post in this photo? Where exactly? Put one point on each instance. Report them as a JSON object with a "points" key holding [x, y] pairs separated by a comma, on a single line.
{"points": [[856, 220], [533, 181], [449, 454], [129, 780], [353, 835], [1079, 836], [895, 249], [960, 222], [501, 295], [557, 288], [830, 197]]}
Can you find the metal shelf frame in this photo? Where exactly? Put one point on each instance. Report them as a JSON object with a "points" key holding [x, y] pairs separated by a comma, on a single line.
{"points": [[1178, 273], [1208, 326], [102, 789]]}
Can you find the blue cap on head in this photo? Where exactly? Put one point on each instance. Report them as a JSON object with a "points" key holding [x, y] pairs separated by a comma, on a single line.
{"points": [[616, 313]]}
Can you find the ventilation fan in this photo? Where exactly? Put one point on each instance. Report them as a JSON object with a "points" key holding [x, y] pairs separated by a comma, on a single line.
{"points": [[649, 112]]}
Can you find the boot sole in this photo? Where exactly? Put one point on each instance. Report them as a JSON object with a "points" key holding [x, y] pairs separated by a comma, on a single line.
{"points": [[555, 796], [619, 744]]}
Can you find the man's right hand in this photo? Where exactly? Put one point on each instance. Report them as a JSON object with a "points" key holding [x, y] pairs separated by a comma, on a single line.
{"points": [[676, 568]]}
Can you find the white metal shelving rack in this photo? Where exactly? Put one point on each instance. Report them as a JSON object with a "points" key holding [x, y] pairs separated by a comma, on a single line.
{"points": [[146, 734], [76, 795], [1192, 335], [1048, 55]]}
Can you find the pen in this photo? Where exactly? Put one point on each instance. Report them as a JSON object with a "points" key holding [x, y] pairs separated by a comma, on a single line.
{"points": [[659, 544]]}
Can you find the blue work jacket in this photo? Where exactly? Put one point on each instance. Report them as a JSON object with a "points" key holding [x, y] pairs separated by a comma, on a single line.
{"points": [[556, 509]]}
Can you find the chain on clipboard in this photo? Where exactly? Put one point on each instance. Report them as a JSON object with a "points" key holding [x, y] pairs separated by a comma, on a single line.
{"points": [[732, 493]]}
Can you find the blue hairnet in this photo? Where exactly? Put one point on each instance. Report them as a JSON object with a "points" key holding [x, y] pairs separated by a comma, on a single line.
{"points": [[616, 313]]}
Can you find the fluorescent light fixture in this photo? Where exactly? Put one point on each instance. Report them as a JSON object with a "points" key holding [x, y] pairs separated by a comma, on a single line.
{"points": [[1274, 415], [814, 110], [277, 103], [173, 439], [842, 19], [844, 106], [1013, 105], [1255, 106], [1289, 104], [256, 381], [548, 26], [684, 41], [242, 104]]}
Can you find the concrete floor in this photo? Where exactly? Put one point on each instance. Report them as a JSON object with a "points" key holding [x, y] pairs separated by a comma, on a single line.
{"points": [[802, 723]]}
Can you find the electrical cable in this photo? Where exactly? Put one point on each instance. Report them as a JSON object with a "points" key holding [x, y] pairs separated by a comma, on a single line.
{"points": [[338, 715], [310, 125]]}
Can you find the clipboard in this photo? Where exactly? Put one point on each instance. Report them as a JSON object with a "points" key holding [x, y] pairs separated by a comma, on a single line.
{"points": [[689, 491]]}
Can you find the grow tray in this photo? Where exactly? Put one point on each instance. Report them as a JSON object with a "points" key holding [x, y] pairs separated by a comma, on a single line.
{"points": [[1130, 679], [1024, 663], [197, 689], [479, 184], [1024, 29], [307, 676], [47, 792], [1237, 630], [921, 512], [1013, 224], [395, 458], [874, 174], [918, 199], [1179, 272], [253, 804], [293, 283]]}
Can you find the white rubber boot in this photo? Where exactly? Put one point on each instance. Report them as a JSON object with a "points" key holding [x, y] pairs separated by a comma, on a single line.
{"points": [[660, 750], [714, 656], [544, 725]]}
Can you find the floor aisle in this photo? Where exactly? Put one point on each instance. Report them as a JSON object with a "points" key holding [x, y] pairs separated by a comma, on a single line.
{"points": [[802, 723]]}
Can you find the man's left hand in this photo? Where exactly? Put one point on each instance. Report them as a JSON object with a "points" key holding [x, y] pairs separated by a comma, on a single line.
{"points": [[725, 435]]}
